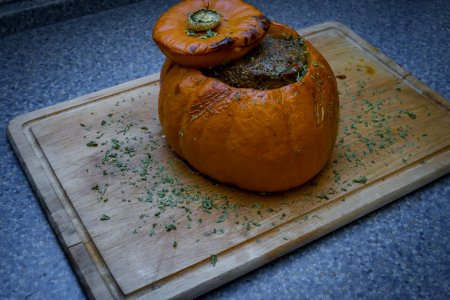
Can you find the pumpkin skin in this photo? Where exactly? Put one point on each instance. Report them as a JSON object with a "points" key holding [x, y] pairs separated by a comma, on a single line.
{"points": [[259, 140], [241, 28]]}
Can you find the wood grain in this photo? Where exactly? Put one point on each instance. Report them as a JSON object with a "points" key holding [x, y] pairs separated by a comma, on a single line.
{"points": [[394, 137]]}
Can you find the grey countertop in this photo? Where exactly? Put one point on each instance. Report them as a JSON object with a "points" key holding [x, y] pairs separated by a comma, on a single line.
{"points": [[398, 252]]}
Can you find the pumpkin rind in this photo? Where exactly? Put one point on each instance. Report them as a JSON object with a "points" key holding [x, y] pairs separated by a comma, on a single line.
{"points": [[242, 26], [260, 140]]}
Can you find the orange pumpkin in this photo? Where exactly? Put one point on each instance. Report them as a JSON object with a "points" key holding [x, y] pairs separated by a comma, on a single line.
{"points": [[241, 28], [260, 140]]}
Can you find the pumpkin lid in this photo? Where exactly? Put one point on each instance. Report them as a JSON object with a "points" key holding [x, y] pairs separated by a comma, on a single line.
{"points": [[207, 33]]}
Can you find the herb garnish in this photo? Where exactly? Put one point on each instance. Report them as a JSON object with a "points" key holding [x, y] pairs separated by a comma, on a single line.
{"points": [[213, 259], [105, 218], [360, 179], [92, 144]]}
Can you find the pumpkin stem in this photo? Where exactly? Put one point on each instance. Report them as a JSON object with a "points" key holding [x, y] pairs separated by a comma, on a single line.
{"points": [[203, 20]]}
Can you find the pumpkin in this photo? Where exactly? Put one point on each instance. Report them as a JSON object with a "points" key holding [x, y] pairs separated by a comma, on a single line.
{"points": [[259, 140], [239, 30]]}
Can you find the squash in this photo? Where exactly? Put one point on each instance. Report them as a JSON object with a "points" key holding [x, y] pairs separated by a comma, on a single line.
{"points": [[259, 140], [239, 30]]}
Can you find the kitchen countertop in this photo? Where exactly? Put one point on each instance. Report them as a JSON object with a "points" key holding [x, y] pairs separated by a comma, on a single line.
{"points": [[398, 252]]}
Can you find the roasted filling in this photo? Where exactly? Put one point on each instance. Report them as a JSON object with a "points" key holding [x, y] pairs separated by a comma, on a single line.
{"points": [[276, 62]]}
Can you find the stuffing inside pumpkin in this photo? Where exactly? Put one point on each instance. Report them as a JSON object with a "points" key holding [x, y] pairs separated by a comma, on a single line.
{"points": [[279, 59]]}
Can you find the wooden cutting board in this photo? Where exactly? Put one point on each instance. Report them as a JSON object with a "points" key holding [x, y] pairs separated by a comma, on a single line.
{"points": [[137, 222]]}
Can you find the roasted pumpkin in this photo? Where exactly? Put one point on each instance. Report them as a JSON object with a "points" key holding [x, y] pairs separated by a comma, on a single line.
{"points": [[261, 140], [188, 35]]}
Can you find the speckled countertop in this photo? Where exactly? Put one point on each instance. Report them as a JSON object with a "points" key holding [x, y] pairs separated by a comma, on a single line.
{"points": [[398, 252]]}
